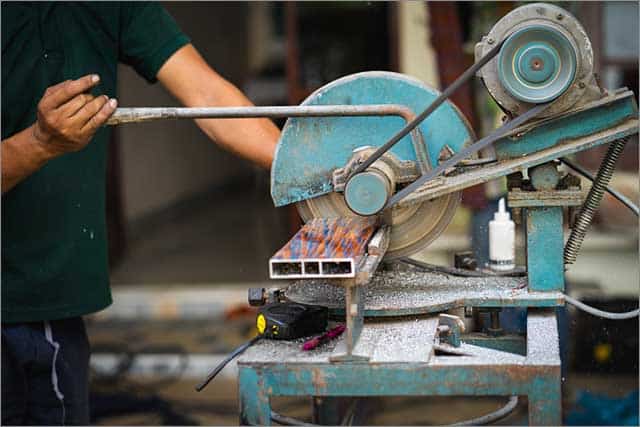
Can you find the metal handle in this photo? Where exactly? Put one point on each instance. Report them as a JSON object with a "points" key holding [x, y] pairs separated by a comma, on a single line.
{"points": [[145, 114]]}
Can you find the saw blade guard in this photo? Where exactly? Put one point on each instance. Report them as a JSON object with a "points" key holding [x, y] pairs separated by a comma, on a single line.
{"points": [[311, 149]]}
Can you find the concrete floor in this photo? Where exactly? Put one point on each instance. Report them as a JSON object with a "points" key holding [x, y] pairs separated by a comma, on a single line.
{"points": [[218, 404]]}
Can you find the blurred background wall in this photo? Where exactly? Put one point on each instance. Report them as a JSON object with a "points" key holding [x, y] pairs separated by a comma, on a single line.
{"points": [[165, 162], [162, 174]]}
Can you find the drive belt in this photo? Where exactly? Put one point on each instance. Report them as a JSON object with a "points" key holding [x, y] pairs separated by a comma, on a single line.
{"points": [[466, 152], [463, 154]]}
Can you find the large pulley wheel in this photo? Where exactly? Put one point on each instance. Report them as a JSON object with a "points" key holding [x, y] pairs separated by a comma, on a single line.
{"points": [[537, 64], [309, 151], [546, 56]]}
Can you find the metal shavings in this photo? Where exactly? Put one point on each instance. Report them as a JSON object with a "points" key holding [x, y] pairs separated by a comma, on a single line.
{"points": [[275, 351], [401, 289], [542, 330]]}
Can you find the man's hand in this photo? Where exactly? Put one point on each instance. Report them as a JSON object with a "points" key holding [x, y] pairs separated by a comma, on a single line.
{"points": [[68, 117]]}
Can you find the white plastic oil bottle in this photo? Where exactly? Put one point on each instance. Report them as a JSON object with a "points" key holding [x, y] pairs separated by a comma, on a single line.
{"points": [[502, 240]]}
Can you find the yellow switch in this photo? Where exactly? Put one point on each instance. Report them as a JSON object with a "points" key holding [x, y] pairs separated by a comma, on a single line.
{"points": [[261, 323]]}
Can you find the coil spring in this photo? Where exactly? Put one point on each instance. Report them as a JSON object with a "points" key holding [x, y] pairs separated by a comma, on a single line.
{"points": [[592, 202]]}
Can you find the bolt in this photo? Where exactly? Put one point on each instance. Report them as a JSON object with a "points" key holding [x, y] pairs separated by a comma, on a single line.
{"points": [[490, 40], [494, 328], [560, 16], [465, 260], [581, 85]]}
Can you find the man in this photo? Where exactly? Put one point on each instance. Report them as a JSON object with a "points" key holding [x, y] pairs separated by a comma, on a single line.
{"points": [[59, 73]]}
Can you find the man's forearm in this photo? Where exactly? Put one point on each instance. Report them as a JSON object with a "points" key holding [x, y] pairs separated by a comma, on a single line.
{"points": [[254, 139], [22, 155], [188, 77]]}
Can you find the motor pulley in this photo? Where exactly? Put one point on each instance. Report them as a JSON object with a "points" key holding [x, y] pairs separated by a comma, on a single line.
{"points": [[537, 64], [546, 56]]}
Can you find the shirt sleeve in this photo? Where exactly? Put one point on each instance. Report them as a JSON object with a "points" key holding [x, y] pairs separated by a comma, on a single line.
{"points": [[148, 37]]}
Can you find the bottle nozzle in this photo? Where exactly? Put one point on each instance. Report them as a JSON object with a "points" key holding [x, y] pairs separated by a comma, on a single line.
{"points": [[502, 214]]}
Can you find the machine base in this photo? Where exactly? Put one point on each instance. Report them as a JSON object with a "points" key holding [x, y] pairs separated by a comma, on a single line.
{"points": [[283, 369]]}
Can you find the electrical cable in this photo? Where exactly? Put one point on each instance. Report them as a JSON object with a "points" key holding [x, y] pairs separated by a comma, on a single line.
{"points": [[483, 420], [473, 273], [619, 196], [493, 416], [351, 412], [283, 420], [237, 352], [600, 313], [517, 272], [132, 397]]}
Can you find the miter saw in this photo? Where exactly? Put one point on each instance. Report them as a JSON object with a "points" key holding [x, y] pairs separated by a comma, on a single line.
{"points": [[537, 63], [375, 163]]}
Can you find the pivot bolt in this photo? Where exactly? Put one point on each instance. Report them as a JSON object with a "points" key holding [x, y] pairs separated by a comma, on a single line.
{"points": [[560, 16]]}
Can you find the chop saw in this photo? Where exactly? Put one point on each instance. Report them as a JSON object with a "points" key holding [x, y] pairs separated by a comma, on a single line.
{"points": [[375, 163]]}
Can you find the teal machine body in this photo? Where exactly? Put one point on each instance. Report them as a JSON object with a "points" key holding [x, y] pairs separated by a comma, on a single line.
{"points": [[544, 58]]}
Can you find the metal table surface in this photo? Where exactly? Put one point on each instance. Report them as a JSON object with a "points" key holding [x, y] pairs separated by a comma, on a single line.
{"points": [[401, 290], [404, 362]]}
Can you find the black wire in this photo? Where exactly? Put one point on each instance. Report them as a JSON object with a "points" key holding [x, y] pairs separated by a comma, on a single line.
{"points": [[483, 420], [621, 198], [237, 352], [284, 420], [132, 397], [493, 416], [518, 272]]}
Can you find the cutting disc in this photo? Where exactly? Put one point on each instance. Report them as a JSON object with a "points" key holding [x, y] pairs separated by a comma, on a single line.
{"points": [[310, 150], [413, 227]]}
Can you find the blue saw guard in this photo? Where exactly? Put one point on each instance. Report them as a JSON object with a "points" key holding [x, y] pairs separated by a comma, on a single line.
{"points": [[310, 149]]}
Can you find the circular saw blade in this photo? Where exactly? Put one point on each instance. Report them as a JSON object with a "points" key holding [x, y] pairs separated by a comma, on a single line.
{"points": [[413, 227]]}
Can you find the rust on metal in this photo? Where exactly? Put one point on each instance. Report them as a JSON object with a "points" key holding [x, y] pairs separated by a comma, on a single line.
{"points": [[324, 248], [146, 114]]}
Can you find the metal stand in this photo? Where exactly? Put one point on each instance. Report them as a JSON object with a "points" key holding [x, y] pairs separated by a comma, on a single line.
{"points": [[282, 369]]}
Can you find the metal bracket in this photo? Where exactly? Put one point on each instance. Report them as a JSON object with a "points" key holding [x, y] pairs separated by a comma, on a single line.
{"points": [[354, 310], [450, 328], [404, 171], [526, 199]]}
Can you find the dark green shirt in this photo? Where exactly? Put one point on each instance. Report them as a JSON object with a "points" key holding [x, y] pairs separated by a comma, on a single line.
{"points": [[54, 245]]}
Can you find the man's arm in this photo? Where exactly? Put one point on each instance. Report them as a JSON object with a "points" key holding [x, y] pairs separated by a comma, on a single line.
{"points": [[190, 79], [67, 120]]}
